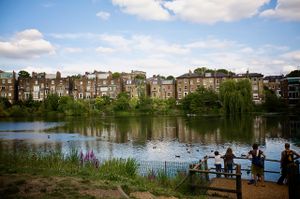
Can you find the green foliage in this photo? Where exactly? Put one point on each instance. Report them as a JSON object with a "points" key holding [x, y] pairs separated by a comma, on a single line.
{"points": [[116, 75], [51, 103], [23, 74], [295, 73], [4, 103], [122, 102], [202, 101], [170, 77], [145, 104], [236, 97], [113, 169], [203, 70], [142, 77], [272, 102]]}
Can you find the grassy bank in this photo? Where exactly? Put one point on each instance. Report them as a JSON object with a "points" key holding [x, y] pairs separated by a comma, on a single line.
{"points": [[72, 170]]}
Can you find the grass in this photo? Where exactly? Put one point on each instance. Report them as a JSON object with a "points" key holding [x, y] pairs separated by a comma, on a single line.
{"points": [[110, 174]]}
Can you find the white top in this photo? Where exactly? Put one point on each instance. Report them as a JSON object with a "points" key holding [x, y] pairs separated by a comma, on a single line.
{"points": [[218, 159]]}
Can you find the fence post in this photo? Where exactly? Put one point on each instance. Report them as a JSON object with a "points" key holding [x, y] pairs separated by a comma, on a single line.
{"points": [[238, 182], [293, 180], [191, 179], [165, 168], [206, 169]]}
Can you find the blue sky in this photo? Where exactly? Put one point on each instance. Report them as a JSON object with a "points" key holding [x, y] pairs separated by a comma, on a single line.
{"points": [[166, 37]]}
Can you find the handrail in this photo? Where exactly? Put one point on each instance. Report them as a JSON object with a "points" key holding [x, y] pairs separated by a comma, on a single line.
{"points": [[244, 158]]}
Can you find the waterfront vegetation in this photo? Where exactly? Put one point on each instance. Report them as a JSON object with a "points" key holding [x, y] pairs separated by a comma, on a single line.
{"points": [[234, 98], [109, 174]]}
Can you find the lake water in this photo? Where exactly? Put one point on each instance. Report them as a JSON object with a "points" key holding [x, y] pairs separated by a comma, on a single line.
{"points": [[155, 139]]}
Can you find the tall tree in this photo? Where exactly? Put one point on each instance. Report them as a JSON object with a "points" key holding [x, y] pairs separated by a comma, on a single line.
{"points": [[236, 97], [294, 73], [23, 74]]}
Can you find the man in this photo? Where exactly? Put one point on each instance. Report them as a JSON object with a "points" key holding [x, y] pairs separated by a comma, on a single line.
{"points": [[286, 161]]}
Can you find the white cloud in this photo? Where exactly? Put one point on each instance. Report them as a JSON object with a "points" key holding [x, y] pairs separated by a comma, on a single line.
{"points": [[286, 9], [103, 15], [26, 44], [104, 50], [293, 55], [197, 11], [145, 9], [209, 12], [72, 50]]}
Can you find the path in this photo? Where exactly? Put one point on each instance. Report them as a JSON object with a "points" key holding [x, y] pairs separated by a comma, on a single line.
{"points": [[270, 191]]}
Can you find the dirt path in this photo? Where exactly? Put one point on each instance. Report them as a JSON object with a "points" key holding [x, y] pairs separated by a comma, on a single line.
{"points": [[270, 191], [26, 186], [29, 186]]}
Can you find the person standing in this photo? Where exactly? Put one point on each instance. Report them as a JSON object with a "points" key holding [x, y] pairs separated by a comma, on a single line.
{"points": [[228, 160], [257, 163], [218, 163], [287, 159]]}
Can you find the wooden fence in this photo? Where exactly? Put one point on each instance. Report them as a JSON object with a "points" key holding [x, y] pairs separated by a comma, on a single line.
{"points": [[202, 168]]}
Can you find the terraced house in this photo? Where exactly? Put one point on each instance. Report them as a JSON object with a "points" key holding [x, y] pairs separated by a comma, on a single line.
{"points": [[189, 82], [96, 84], [135, 84], [8, 86], [40, 85], [161, 88]]}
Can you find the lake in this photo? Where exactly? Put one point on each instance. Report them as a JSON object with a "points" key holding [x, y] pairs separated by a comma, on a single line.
{"points": [[152, 140]]}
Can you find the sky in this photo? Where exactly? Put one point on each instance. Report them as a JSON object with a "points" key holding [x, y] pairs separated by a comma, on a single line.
{"points": [[165, 37]]}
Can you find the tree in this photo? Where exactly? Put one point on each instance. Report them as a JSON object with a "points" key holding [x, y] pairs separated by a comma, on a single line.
{"points": [[122, 102], [23, 74], [224, 71], [272, 102], [116, 75], [236, 97], [170, 77], [202, 101], [52, 102], [295, 73], [142, 77]]}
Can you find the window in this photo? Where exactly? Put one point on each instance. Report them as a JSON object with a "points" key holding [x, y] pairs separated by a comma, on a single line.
{"points": [[185, 87], [36, 88], [9, 94], [9, 81], [112, 82], [104, 82], [179, 89], [52, 81], [36, 82], [185, 81], [81, 82]]}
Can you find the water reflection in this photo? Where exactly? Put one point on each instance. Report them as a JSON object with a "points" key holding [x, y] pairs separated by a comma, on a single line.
{"points": [[204, 130]]}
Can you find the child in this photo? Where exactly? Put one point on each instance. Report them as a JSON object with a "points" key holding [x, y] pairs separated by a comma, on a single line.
{"points": [[218, 163], [228, 160]]}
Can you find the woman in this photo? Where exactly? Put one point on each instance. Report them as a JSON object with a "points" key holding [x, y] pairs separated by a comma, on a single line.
{"points": [[257, 167], [228, 160]]}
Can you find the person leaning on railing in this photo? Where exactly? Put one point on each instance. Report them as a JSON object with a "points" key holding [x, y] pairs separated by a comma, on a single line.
{"points": [[286, 161], [257, 164]]}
